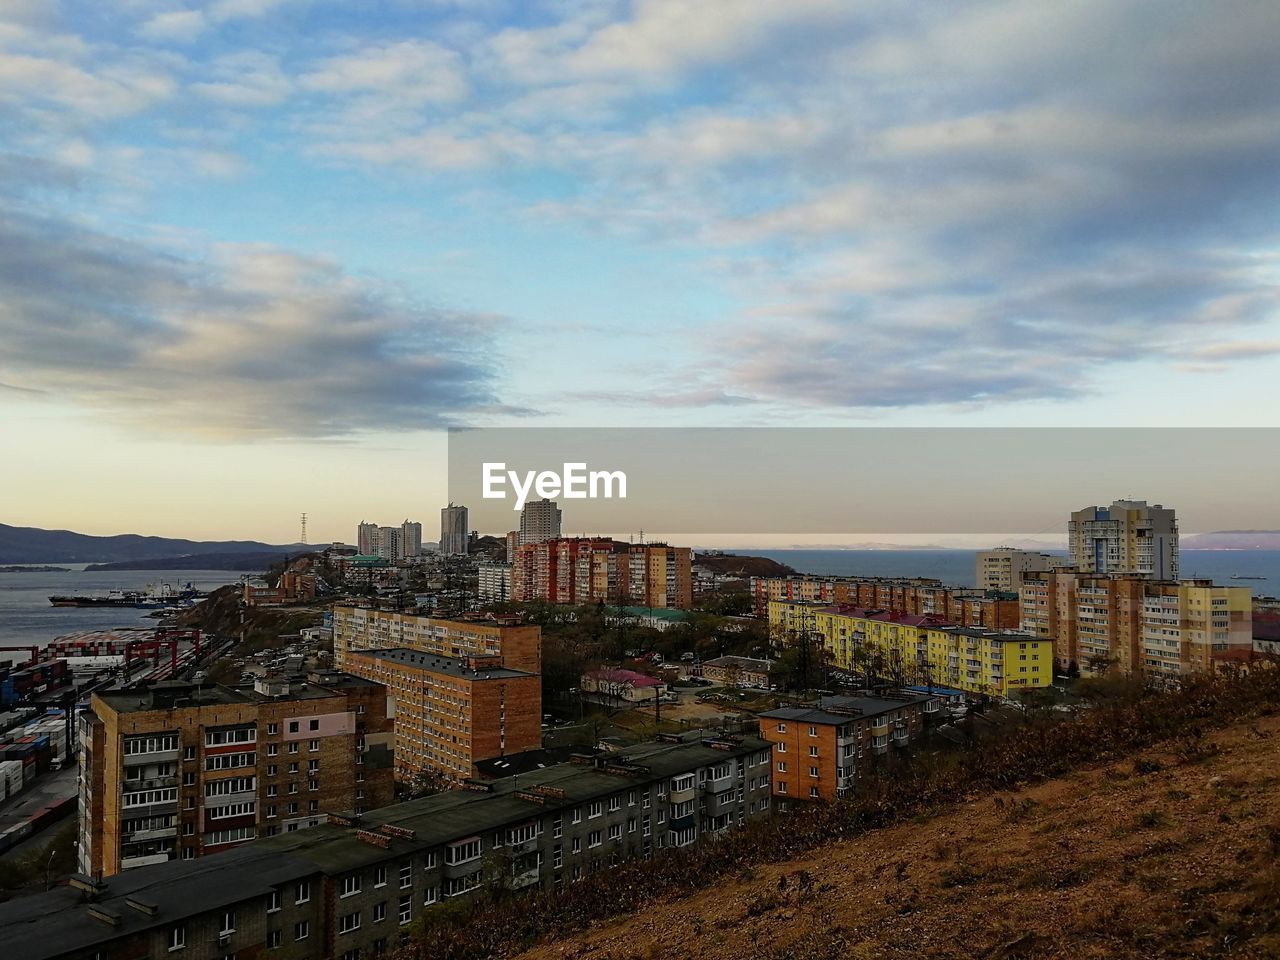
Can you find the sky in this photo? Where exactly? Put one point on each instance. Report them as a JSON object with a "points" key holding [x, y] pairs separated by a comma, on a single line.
{"points": [[257, 255]]}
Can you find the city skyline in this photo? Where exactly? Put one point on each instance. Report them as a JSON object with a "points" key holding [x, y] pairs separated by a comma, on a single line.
{"points": [[244, 273]]}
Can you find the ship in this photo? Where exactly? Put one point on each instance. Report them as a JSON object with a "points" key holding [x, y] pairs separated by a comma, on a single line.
{"points": [[1242, 576], [154, 596]]}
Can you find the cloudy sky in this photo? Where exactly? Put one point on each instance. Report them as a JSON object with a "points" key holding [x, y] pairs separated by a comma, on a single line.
{"points": [[255, 255]]}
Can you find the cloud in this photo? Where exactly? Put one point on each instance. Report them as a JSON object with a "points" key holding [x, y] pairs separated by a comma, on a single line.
{"points": [[179, 26], [252, 341], [248, 78], [409, 71]]}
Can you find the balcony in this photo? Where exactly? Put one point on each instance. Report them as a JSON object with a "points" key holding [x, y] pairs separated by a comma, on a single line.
{"points": [[880, 730], [682, 796], [153, 756], [141, 836], [524, 846], [526, 878], [152, 783]]}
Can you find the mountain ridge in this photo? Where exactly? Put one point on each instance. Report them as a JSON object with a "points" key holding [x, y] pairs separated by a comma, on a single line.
{"points": [[38, 545]]}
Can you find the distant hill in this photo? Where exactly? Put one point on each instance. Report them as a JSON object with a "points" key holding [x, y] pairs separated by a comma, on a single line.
{"points": [[33, 545], [735, 565], [254, 561], [1233, 540]]}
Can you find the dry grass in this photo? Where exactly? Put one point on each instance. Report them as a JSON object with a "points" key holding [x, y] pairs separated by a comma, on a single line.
{"points": [[1172, 853]]}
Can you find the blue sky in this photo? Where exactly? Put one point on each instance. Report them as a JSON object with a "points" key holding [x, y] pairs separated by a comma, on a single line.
{"points": [[254, 250]]}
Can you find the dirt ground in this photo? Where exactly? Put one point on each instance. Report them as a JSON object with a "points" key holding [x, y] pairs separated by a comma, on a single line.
{"points": [[1174, 853]]}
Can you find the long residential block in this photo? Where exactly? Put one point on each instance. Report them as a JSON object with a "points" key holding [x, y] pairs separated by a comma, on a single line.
{"points": [[353, 887]]}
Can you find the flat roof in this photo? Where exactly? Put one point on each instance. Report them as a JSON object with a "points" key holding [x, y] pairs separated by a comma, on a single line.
{"points": [[435, 663]]}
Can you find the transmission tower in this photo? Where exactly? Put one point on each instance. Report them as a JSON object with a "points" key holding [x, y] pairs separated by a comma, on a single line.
{"points": [[303, 539]]}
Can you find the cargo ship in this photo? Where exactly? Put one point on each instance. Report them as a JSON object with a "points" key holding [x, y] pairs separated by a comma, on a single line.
{"points": [[155, 595]]}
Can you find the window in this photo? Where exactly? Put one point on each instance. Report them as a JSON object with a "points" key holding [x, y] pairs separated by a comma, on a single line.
{"points": [[429, 861], [230, 761], [557, 856], [313, 765], [228, 923], [593, 838], [813, 751], [177, 937], [293, 726], [234, 835], [302, 929], [314, 746], [222, 738], [577, 815], [614, 803], [557, 827], [220, 788], [406, 909], [379, 912], [304, 892], [463, 851], [615, 832], [188, 753], [406, 874], [780, 747], [782, 728], [349, 923], [293, 747], [273, 729], [813, 731], [782, 766], [577, 845], [350, 884], [431, 895], [813, 772], [813, 791], [455, 886], [380, 876], [313, 724], [273, 901], [273, 939]]}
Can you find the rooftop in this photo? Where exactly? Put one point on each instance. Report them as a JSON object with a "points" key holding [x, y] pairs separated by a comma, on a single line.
{"points": [[434, 663], [742, 663]]}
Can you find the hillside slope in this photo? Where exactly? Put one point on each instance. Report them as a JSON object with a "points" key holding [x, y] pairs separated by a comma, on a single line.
{"points": [[1175, 852]]}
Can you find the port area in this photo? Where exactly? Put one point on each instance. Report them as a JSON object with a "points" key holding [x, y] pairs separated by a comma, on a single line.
{"points": [[23, 817]]}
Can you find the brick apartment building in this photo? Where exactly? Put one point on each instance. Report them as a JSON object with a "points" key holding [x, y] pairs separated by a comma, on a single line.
{"points": [[179, 770], [451, 712], [1136, 625], [819, 749], [360, 628], [602, 570], [919, 596]]}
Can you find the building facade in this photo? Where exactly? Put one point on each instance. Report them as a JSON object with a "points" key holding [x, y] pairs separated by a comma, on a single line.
{"points": [[352, 888], [450, 712], [179, 770], [516, 645], [493, 582], [819, 749], [453, 530], [1135, 625], [539, 521], [1002, 569], [965, 606], [1129, 538], [739, 672], [914, 649], [602, 570]]}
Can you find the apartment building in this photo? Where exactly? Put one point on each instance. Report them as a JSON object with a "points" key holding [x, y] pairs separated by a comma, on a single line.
{"points": [[493, 582], [820, 748], [517, 645], [539, 521], [913, 648], [450, 712], [1133, 624], [964, 606], [747, 672], [602, 570], [453, 530], [179, 771], [1002, 568], [1130, 537], [353, 887]]}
